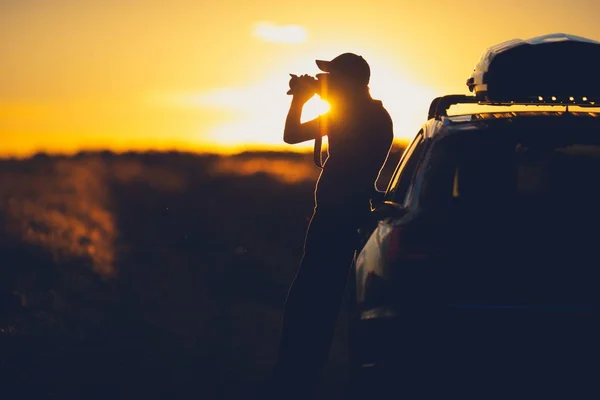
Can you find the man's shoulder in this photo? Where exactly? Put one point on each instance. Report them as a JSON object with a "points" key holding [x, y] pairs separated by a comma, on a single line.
{"points": [[380, 111], [382, 116]]}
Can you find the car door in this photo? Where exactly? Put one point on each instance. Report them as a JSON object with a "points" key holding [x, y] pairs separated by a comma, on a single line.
{"points": [[370, 266]]}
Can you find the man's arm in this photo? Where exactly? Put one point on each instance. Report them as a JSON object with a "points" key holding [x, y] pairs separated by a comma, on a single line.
{"points": [[297, 132]]}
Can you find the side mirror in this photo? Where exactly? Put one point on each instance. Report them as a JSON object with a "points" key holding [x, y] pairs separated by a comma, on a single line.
{"points": [[388, 209], [384, 210], [376, 199]]}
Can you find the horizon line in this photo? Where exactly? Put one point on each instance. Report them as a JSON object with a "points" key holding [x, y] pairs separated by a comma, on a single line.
{"points": [[209, 151]]}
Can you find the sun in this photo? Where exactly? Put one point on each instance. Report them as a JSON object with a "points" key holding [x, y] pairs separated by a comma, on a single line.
{"points": [[313, 108]]}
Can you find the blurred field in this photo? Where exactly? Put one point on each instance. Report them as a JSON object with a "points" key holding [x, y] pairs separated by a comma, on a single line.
{"points": [[150, 275]]}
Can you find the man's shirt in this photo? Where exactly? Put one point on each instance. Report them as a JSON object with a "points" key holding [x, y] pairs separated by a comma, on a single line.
{"points": [[358, 145]]}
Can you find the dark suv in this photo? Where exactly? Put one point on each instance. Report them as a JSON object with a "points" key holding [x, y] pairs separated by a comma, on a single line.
{"points": [[481, 276]]}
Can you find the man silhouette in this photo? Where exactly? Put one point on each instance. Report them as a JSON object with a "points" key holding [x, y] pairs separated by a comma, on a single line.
{"points": [[360, 134]]}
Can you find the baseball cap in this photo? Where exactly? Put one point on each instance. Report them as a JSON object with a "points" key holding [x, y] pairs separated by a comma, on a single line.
{"points": [[348, 64]]}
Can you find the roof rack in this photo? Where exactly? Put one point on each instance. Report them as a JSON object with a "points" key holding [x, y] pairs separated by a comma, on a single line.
{"points": [[558, 64], [440, 105]]}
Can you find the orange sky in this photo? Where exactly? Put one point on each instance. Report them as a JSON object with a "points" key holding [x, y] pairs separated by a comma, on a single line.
{"points": [[212, 75]]}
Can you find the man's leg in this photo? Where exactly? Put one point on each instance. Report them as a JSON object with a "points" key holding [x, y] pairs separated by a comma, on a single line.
{"points": [[313, 303]]}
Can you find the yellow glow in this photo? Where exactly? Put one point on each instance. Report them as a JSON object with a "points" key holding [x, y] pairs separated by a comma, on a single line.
{"points": [[164, 75], [407, 101], [289, 171], [260, 109], [313, 108]]}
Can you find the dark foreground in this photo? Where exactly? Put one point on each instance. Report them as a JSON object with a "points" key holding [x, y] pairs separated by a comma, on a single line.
{"points": [[150, 275]]}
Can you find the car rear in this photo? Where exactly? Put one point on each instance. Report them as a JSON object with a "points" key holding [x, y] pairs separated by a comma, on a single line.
{"points": [[489, 283]]}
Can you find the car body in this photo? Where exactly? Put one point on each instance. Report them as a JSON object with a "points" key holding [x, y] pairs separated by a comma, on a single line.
{"points": [[481, 269]]}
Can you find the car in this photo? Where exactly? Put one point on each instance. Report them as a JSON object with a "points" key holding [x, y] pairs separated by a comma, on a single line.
{"points": [[480, 273]]}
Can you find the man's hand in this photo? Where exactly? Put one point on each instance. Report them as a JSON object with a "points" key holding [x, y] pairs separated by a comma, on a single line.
{"points": [[302, 88], [376, 199]]}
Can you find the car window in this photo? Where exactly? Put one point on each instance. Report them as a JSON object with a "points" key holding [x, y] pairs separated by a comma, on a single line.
{"points": [[402, 177], [396, 175], [498, 169], [415, 183]]}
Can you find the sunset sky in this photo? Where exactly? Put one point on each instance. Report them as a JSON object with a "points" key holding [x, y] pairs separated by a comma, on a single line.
{"points": [[212, 75]]}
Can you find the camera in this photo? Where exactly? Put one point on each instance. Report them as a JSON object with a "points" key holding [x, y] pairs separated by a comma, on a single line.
{"points": [[309, 82]]}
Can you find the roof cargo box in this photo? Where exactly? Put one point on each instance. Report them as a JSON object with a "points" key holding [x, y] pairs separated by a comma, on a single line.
{"points": [[556, 68]]}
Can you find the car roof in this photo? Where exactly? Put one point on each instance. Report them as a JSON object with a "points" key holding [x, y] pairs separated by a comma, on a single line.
{"points": [[479, 121]]}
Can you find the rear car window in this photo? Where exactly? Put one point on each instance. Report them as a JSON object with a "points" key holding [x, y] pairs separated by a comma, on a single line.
{"points": [[502, 167]]}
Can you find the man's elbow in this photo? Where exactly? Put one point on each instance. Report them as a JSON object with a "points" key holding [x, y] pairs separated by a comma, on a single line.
{"points": [[289, 138]]}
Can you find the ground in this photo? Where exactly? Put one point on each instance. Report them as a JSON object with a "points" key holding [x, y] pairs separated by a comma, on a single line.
{"points": [[151, 275]]}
